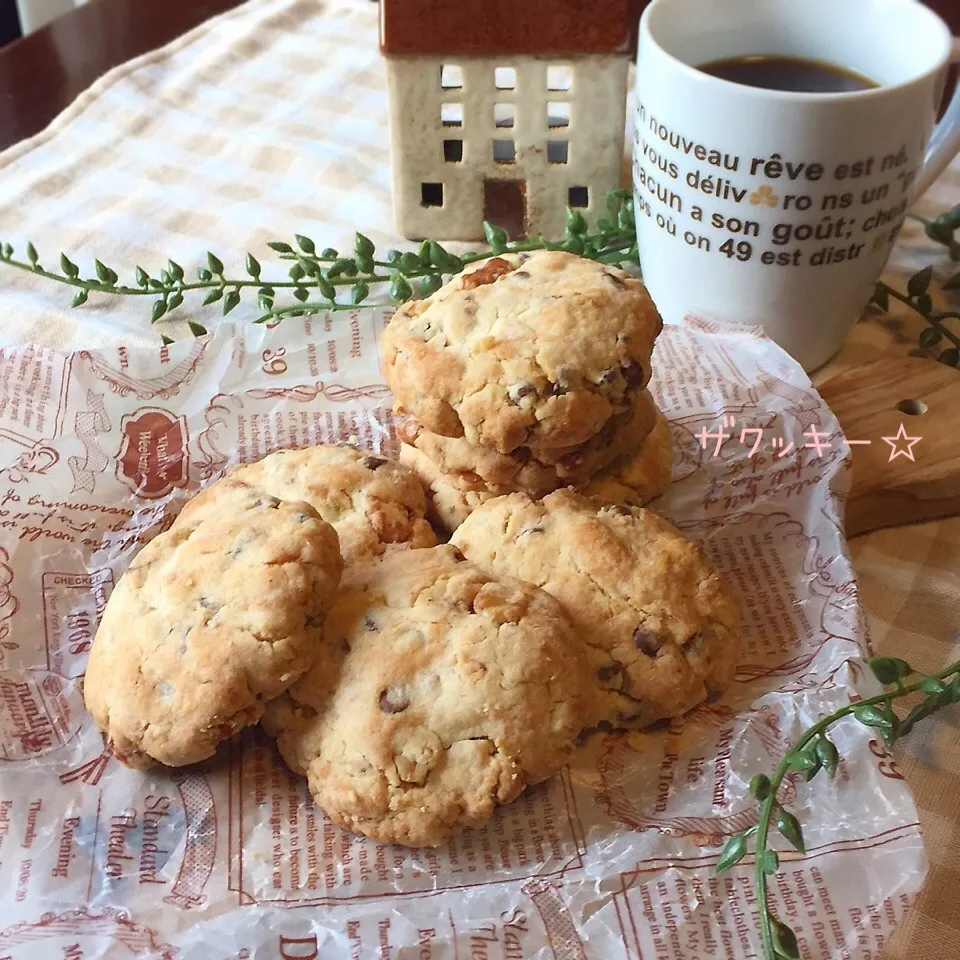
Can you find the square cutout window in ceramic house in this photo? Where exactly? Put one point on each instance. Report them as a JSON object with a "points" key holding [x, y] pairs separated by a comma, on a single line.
{"points": [[451, 76], [558, 114], [558, 151], [453, 151], [451, 114], [578, 197], [505, 78], [431, 194], [504, 151], [559, 76], [504, 114]]}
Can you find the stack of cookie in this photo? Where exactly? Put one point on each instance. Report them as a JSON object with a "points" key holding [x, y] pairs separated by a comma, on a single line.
{"points": [[526, 374]]}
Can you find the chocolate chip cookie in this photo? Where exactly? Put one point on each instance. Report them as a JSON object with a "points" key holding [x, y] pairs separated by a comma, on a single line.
{"points": [[531, 470], [524, 349], [441, 692], [661, 625], [373, 503], [211, 619]]}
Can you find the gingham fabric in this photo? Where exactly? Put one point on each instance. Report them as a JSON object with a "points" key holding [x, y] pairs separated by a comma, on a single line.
{"points": [[271, 120]]}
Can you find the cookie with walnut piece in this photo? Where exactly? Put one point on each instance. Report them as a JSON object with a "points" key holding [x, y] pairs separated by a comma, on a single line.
{"points": [[537, 349], [374, 504], [661, 625], [441, 692], [212, 619]]}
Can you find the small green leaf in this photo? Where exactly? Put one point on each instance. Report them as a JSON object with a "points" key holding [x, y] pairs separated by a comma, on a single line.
{"points": [[197, 329], [495, 236], [174, 301], [393, 256], [950, 357], [213, 296], [604, 225], [359, 292], [921, 711], [154, 283], [760, 786], [326, 288], [785, 940], [103, 272], [734, 850], [305, 243], [364, 264], [267, 291], [828, 754], [8, 250], [253, 266], [230, 301], [454, 264], [310, 268], [363, 246], [930, 337], [953, 283], [889, 669], [165, 340], [872, 716], [881, 297], [806, 760], [80, 299], [301, 293], [573, 245], [789, 827], [142, 277], [625, 221], [409, 261], [932, 685], [430, 285], [279, 246], [215, 264], [925, 304], [399, 288], [769, 862], [165, 279], [69, 268], [159, 309], [175, 270], [349, 268], [919, 282], [32, 254], [329, 253], [266, 303], [339, 267], [296, 272]]}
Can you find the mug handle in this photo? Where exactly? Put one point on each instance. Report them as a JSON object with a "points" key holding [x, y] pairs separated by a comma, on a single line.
{"points": [[945, 141]]}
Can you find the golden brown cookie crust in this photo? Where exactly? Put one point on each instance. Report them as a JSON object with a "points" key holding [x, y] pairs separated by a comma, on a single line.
{"points": [[661, 624], [539, 349], [440, 693], [373, 503], [211, 619]]}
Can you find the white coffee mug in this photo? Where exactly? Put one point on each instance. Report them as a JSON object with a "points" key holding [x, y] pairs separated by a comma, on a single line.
{"points": [[778, 208]]}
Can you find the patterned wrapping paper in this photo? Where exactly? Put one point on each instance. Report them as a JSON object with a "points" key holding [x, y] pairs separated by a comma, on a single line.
{"points": [[611, 859], [271, 120]]}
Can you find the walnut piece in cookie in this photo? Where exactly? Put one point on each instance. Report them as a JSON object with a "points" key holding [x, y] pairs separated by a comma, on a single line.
{"points": [[212, 619], [373, 503], [661, 624], [536, 349], [441, 692]]}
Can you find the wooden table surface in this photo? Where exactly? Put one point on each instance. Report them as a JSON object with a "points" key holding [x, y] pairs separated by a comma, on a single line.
{"points": [[44, 72]]}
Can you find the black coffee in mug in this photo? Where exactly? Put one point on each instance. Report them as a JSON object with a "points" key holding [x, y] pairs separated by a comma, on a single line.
{"points": [[796, 74]]}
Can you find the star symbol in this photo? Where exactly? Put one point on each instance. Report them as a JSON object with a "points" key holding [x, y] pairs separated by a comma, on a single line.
{"points": [[894, 441]]}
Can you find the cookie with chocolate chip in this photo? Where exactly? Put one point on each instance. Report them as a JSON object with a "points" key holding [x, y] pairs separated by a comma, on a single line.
{"points": [[373, 503], [533, 469], [661, 625], [634, 480], [441, 693], [537, 350], [212, 619]]}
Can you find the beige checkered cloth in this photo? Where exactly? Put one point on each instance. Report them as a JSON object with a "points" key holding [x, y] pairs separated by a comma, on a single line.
{"points": [[271, 120]]}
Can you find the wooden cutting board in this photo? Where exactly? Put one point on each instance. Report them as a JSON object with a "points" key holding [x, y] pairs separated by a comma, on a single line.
{"points": [[919, 400]]}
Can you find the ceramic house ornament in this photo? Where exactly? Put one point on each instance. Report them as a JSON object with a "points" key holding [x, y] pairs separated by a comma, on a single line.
{"points": [[503, 110]]}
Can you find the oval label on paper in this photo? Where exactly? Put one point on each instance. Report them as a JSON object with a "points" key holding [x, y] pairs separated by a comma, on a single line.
{"points": [[153, 453]]}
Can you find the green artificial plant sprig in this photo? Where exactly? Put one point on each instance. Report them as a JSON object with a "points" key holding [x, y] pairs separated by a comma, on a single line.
{"points": [[812, 752], [328, 280]]}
